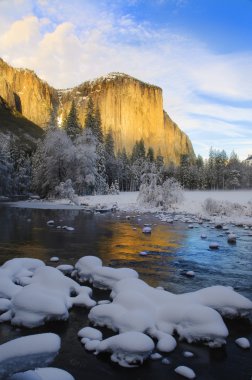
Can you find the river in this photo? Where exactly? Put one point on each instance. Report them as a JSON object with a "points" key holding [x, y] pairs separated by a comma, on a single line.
{"points": [[171, 250]]}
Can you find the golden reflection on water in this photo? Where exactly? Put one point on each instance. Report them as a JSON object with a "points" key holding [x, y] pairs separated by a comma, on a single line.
{"points": [[10, 251], [123, 248]]}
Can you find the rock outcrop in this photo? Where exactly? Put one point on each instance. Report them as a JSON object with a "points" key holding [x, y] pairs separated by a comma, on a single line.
{"points": [[133, 110]]}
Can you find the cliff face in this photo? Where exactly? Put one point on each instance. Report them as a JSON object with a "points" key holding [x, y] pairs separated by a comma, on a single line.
{"points": [[31, 96], [131, 108]]}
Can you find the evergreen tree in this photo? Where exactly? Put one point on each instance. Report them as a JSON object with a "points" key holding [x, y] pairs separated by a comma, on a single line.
{"points": [[150, 154], [71, 124], [90, 118], [111, 164], [98, 126], [123, 169]]}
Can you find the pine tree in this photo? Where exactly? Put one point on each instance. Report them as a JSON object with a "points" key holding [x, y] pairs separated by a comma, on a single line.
{"points": [[150, 154], [111, 165], [90, 119], [98, 125], [71, 124]]}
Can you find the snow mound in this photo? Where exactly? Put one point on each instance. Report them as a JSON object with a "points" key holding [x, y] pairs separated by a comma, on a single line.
{"points": [[90, 333], [221, 298], [44, 293], [28, 352], [15, 272], [43, 374], [89, 268], [185, 371], [194, 316], [128, 349]]}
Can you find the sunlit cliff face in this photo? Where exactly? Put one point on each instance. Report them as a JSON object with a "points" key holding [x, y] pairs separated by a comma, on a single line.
{"points": [[132, 109]]}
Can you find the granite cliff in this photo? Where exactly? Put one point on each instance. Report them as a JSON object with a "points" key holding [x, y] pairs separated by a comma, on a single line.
{"points": [[131, 108]]}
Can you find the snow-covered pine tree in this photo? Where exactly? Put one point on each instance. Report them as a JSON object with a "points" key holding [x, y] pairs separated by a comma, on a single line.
{"points": [[6, 167], [85, 163]]}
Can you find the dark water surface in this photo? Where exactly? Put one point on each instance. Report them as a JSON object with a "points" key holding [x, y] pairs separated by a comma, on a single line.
{"points": [[172, 249]]}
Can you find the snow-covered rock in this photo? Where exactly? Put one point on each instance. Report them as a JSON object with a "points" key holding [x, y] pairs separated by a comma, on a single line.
{"points": [[90, 333], [44, 293], [28, 352], [128, 349], [54, 259], [185, 371], [43, 374], [146, 230], [89, 268], [50, 222], [231, 238], [188, 354], [214, 245], [65, 268], [243, 343]]}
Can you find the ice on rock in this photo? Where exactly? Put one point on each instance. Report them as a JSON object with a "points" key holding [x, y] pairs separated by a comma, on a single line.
{"points": [[243, 343], [128, 349], [48, 295], [43, 374], [90, 333], [185, 371], [28, 352], [89, 268]]}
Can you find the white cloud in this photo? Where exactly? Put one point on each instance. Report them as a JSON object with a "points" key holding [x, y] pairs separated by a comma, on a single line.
{"points": [[70, 42]]}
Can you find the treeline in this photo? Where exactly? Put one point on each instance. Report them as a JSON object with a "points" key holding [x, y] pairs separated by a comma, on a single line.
{"points": [[85, 160]]}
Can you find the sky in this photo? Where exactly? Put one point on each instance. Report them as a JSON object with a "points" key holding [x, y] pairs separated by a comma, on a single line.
{"points": [[198, 51]]}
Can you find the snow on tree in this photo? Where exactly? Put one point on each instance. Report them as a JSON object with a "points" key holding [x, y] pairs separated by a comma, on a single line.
{"points": [[85, 163], [153, 194], [6, 167], [52, 161], [65, 190], [150, 192], [114, 188], [172, 192]]}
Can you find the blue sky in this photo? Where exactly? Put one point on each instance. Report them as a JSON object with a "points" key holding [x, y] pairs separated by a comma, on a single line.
{"points": [[198, 51]]}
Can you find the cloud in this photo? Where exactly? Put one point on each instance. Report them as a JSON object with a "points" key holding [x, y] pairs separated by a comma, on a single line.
{"points": [[84, 40]]}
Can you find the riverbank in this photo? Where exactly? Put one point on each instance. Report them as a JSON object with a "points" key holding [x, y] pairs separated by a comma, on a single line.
{"points": [[226, 206]]}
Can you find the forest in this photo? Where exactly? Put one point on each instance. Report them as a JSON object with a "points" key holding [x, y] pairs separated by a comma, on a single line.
{"points": [[83, 161]]}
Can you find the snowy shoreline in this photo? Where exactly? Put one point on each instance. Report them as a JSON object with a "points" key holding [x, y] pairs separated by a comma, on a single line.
{"points": [[192, 204]]}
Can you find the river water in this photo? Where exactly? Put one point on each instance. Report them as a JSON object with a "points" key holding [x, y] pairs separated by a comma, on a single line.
{"points": [[117, 240]]}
